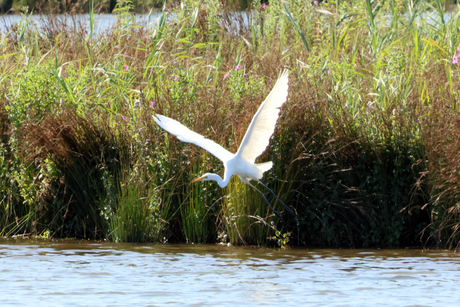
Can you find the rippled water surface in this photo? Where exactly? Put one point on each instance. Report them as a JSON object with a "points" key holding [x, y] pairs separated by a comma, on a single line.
{"points": [[73, 273]]}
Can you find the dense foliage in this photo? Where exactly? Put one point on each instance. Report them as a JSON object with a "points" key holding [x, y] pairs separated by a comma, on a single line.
{"points": [[366, 149]]}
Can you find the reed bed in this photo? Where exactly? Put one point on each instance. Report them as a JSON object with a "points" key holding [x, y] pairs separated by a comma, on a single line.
{"points": [[365, 150]]}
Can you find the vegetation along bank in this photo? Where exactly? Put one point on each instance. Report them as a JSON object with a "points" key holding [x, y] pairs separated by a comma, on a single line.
{"points": [[366, 149]]}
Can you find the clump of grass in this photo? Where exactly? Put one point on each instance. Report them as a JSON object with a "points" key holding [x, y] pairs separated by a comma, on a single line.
{"points": [[442, 175], [14, 214], [140, 213], [76, 159], [245, 216]]}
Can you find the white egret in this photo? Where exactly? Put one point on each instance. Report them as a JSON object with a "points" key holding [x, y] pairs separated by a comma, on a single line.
{"points": [[254, 143]]}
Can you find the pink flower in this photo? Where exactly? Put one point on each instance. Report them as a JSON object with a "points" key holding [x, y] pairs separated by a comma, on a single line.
{"points": [[455, 61], [126, 67], [152, 103], [328, 71], [118, 47], [175, 79], [356, 65], [174, 62], [263, 6], [226, 75], [126, 53], [458, 48], [315, 2], [256, 76]]}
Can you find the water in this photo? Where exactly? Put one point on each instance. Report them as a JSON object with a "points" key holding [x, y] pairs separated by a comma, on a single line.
{"points": [[81, 273], [102, 22]]}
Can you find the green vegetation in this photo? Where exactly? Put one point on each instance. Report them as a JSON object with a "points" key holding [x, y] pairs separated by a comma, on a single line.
{"points": [[366, 149]]}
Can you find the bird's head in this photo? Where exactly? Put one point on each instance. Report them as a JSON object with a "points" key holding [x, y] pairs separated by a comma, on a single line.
{"points": [[208, 177], [205, 177]]}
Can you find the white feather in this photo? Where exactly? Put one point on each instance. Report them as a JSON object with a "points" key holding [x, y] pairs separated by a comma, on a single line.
{"points": [[186, 135], [257, 137]]}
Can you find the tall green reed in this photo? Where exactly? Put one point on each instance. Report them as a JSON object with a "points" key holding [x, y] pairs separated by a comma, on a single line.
{"points": [[139, 214]]}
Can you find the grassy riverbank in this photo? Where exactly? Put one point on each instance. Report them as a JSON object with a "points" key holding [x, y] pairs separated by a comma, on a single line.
{"points": [[365, 150]]}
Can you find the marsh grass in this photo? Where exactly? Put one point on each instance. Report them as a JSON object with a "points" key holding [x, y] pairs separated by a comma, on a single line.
{"points": [[364, 151], [246, 217], [198, 210], [139, 213]]}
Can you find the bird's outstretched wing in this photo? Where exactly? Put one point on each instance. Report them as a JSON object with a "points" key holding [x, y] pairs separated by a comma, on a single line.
{"points": [[263, 123], [186, 135]]}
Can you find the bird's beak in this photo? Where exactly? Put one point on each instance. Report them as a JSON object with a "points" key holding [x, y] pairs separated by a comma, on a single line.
{"points": [[198, 179]]}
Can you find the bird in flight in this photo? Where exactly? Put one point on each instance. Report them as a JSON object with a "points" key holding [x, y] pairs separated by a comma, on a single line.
{"points": [[254, 143]]}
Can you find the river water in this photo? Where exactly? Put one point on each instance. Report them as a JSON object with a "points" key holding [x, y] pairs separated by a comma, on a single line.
{"points": [[82, 273], [102, 22]]}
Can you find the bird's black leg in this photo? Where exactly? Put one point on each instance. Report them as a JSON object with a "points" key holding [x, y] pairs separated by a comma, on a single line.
{"points": [[268, 203], [273, 193], [287, 208]]}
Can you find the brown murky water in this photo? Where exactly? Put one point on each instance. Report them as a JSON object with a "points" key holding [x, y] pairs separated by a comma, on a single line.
{"points": [[80, 273]]}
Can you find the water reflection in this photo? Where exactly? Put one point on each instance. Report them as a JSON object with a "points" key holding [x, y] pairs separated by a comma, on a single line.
{"points": [[80, 272]]}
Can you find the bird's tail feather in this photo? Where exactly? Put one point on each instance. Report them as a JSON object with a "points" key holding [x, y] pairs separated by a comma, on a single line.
{"points": [[263, 167]]}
